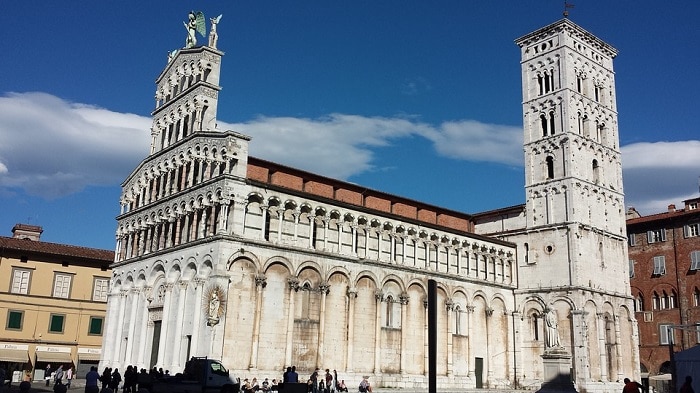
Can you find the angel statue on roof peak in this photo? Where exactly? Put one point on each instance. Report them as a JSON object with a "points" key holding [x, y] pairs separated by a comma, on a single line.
{"points": [[195, 24]]}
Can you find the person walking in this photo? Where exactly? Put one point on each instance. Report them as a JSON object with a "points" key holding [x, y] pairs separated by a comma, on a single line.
{"points": [[69, 376], [91, 379], [47, 374], [58, 375]]}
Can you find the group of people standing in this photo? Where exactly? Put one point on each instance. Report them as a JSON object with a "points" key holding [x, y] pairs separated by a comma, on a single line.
{"points": [[58, 375], [318, 382]]}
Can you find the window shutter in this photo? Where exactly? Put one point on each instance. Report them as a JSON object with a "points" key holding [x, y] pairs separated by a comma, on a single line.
{"points": [[663, 235], [650, 237], [695, 260], [686, 230], [631, 268]]}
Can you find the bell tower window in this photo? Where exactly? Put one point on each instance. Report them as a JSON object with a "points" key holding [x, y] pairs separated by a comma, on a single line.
{"points": [[550, 168], [596, 171]]}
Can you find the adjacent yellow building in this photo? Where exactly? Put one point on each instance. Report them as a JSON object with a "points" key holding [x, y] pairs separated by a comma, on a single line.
{"points": [[53, 299]]}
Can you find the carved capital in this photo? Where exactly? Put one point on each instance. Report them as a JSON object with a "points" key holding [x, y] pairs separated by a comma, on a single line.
{"points": [[470, 309], [449, 305], [379, 295], [293, 283], [403, 298], [261, 281], [489, 312], [352, 293], [324, 287]]}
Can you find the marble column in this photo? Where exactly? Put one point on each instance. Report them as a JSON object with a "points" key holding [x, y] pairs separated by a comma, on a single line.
{"points": [[352, 295], [470, 334], [176, 357], [403, 299], [293, 289], [197, 314], [379, 298], [324, 289], [119, 334], [260, 284], [449, 308], [135, 294], [162, 344]]}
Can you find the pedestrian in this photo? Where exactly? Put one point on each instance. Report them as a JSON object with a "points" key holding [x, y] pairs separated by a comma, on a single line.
{"points": [[91, 379], [69, 376], [116, 379], [24, 386], [47, 374], [59, 387], [58, 375], [631, 387], [687, 385], [2, 379]]}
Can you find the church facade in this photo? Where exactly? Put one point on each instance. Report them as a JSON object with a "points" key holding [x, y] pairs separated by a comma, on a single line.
{"points": [[263, 266]]}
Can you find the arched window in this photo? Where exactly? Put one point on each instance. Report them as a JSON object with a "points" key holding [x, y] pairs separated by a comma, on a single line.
{"points": [[655, 301], [639, 303], [535, 326], [458, 320], [580, 123], [551, 123], [696, 298], [547, 85], [550, 168], [672, 300], [389, 311], [596, 171], [540, 83], [543, 123]]}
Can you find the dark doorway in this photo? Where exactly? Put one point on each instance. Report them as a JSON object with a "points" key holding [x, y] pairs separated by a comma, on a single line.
{"points": [[155, 343], [479, 372]]}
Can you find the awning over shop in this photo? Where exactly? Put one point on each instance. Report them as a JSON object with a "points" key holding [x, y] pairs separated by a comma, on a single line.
{"points": [[14, 355], [53, 357], [92, 357]]}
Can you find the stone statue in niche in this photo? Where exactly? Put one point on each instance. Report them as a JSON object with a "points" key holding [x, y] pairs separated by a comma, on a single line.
{"points": [[551, 329]]}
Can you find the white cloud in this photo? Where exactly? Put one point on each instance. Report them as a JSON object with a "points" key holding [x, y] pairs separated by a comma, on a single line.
{"points": [[660, 173], [52, 148]]}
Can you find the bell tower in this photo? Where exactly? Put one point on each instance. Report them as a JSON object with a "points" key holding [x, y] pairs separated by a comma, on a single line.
{"points": [[573, 172]]}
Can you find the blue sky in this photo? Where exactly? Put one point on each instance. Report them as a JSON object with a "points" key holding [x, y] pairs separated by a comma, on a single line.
{"points": [[415, 98]]}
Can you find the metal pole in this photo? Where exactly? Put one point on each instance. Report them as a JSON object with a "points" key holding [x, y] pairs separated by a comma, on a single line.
{"points": [[432, 336]]}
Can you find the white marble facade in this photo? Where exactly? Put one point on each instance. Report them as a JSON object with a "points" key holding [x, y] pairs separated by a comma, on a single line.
{"points": [[212, 261]]}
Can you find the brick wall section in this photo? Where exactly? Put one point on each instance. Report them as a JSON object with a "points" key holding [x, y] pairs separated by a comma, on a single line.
{"points": [[320, 189], [287, 180], [678, 278], [451, 221], [257, 173], [427, 215], [348, 196], [282, 176], [405, 210], [380, 204]]}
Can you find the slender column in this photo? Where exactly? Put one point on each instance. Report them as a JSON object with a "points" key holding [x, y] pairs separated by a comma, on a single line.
{"points": [[403, 298], [600, 327], [489, 361], [296, 225], [176, 357], [618, 352], [293, 288], [200, 172], [223, 217], [240, 211], [190, 175], [580, 352], [260, 283], [458, 250], [143, 332], [167, 182], [135, 293], [149, 239], [352, 294], [325, 232], [450, 307], [197, 316], [403, 249], [280, 219], [263, 226], [339, 224], [324, 288], [516, 345], [164, 325], [212, 220], [312, 230], [392, 253], [366, 231], [470, 345], [120, 327], [379, 298], [353, 234], [110, 327], [178, 229], [202, 225]]}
